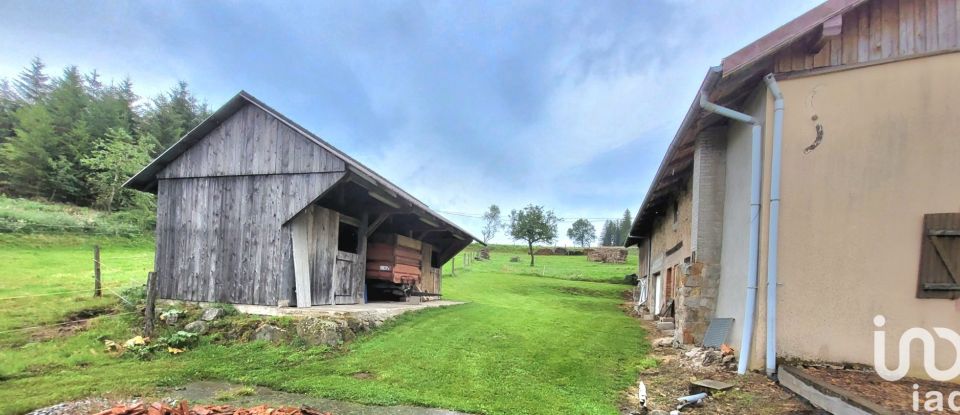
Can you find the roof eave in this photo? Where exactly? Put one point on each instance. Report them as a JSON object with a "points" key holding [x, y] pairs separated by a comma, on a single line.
{"points": [[693, 113], [785, 35]]}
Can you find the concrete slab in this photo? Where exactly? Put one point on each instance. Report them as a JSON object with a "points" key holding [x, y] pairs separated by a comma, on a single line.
{"points": [[835, 400], [385, 309]]}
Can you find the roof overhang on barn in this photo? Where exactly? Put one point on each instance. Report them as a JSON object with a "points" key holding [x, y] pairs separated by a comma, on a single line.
{"points": [[728, 85], [361, 193]]}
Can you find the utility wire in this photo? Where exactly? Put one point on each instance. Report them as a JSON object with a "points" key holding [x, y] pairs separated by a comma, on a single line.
{"points": [[480, 216]]}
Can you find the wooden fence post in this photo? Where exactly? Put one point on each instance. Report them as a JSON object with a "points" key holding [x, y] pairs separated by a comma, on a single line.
{"points": [[97, 289], [150, 309]]}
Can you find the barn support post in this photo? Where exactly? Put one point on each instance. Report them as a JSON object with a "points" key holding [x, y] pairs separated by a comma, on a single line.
{"points": [[361, 296], [150, 309], [97, 288]]}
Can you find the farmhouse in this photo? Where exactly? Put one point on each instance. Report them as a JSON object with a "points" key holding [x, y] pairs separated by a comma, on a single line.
{"points": [[812, 186], [254, 209]]}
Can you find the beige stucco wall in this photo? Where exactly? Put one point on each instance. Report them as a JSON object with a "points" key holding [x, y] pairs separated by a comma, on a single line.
{"points": [[736, 219], [852, 208]]}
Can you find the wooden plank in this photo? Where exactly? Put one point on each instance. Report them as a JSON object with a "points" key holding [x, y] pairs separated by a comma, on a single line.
{"points": [[836, 51], [199, 222], [97, 289], [920, 26], [849, 36], [822, 58], [286, 286], [932, 30], [253, 241], [876, 30], [906, 29], [947, 24], [324, 250], [213, 247], [799, 63], [863, 37], [151, 304], [229, 240], [300, 233], [360, 270], [890, 28]]}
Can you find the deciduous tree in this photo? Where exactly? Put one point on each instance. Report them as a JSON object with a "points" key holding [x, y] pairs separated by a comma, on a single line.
{"points": [[116, 157], [582, 232], [533, 224], [491, 223]]}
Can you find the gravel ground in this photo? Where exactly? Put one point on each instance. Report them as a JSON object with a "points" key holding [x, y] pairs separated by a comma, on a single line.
{"points": [[83, 406]]}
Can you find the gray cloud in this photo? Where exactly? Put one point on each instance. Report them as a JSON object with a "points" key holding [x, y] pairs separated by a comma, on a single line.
{"points": [[566, 104]]}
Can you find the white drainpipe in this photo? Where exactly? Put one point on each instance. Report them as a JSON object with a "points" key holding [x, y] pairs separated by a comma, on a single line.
{"points": [[754, 255], [774, 225]]}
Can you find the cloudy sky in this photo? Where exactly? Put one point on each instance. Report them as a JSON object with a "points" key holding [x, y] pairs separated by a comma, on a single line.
{"points": [[463, 103]]}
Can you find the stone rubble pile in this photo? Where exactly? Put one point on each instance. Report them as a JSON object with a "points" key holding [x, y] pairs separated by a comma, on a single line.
{"points": [[607, 254]]}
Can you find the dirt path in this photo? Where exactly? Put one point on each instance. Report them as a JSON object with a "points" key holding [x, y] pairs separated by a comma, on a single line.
{"points": [[752, 393]]}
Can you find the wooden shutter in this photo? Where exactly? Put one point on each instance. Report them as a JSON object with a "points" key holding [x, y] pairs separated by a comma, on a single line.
{"points": [[940, 257]]}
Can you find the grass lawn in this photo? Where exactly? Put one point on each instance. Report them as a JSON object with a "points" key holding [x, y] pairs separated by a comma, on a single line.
{"points": [[45, 278], [573, 267], [523, 345]]}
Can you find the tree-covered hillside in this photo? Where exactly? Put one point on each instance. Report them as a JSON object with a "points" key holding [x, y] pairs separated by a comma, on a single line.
{"points": [[75, 138]]}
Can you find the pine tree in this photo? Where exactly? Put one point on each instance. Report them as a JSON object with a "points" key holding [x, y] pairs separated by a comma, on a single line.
{"points": [[68, 101], [173, 114], [624, 228], [32, 84], [67, 104], [25, 158], [608, 237], [9, 103]]}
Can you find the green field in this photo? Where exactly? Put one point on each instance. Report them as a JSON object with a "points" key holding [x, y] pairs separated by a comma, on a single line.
{"points": [[529, 341], [572, 267]]}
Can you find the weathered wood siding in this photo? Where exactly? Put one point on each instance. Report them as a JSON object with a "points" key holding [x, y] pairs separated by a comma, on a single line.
{"points": [[881, 30], [252, 142], [348, 279], [222, 239], [323, 254]]}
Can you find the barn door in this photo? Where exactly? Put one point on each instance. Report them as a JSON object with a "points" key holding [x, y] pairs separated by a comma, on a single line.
{"points": [[314, 234], [346, 284]]}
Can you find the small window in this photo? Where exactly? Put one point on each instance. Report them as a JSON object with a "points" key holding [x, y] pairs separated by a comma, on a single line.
{"points": [[939, 275], [676, 212], [434, 259], [348, 238]]}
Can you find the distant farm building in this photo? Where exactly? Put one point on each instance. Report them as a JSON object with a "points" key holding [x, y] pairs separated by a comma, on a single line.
{"points": [[254, 209]]}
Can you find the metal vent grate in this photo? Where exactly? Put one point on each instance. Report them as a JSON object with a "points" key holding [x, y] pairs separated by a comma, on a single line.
{"points": [[717, 332]]}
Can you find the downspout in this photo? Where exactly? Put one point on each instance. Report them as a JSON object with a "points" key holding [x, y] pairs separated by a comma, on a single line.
{"points": [[774, 225], [754, 236]]}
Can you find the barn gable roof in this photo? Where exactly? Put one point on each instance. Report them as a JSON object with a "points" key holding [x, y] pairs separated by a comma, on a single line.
{"points": [[146, 180]]}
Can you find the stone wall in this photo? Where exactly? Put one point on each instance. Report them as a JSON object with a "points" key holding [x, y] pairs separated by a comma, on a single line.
{"points": [[698, 297]]}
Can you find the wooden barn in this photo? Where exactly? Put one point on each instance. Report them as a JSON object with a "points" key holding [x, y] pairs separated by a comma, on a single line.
{"points": [[254, 209]]}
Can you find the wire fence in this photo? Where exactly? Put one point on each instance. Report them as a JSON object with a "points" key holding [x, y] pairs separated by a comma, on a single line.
{"points": [[52, 297]]}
